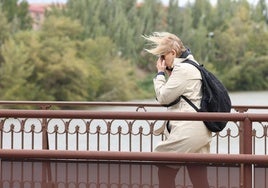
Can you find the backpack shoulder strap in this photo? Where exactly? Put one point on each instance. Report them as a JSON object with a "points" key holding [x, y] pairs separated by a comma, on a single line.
{"points": [[173, 103], [190, 103], [185, 98], [193, 63]]}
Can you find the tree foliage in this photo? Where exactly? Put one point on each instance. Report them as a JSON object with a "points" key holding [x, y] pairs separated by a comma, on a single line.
{"points": [[17, 14], [54, 64], [86, 51]]}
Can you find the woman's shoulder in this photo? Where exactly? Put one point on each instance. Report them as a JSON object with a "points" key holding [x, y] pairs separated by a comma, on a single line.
{"points": [[186, 69], [185, 65]]}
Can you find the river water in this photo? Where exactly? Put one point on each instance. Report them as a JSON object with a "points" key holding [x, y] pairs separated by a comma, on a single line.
{"points": [[249, 98]]}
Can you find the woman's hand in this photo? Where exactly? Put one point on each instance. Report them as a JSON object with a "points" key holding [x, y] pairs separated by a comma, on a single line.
{"points": [[160, 65], [168, 72]]}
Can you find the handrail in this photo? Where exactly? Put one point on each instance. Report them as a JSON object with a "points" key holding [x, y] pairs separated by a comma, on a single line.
{"points": [[77, 114], [48, 104], [76, 103], [136, 156]]}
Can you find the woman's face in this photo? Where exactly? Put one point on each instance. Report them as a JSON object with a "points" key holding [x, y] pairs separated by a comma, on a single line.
{"points": [[169, 58]]}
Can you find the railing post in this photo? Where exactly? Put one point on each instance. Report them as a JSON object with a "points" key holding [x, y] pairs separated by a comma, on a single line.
{"points": [[46, 168], [246, 148], [45, 144], [1, 178]]}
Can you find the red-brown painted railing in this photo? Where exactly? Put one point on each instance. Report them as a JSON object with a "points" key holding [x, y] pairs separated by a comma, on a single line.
{"points": [[137, 105], [247, 130]]}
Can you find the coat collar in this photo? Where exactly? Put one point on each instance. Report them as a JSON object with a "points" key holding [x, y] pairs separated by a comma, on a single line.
{"points": [[180, 60]]}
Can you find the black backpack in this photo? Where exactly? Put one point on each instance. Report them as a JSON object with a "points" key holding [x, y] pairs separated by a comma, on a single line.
{"points": [[215, 97]]}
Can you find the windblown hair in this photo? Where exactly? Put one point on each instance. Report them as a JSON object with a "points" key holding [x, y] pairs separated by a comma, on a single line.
{"points": [[164, 42]]}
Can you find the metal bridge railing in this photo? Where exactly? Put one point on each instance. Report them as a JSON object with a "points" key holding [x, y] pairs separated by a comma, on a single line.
{"points": [[82, 140]]}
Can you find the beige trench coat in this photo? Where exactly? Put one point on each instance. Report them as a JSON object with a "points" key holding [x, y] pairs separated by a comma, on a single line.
{"points": [[185, 136]]}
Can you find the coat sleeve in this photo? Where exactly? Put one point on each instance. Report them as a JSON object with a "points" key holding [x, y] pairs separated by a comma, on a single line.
{"points": [[181, 79]]}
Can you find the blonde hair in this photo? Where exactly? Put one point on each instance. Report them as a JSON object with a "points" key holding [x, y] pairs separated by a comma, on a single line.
{"points": [[164, 42]]}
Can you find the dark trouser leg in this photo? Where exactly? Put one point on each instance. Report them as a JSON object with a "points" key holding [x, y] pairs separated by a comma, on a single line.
{"points": [[166, 177], [198, 176]]}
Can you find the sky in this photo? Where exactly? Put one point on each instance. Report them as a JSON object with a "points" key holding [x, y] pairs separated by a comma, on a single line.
{"points": [[181, 2]]}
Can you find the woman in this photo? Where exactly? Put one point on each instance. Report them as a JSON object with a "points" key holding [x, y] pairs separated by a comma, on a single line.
{"points": [[183, 79]]}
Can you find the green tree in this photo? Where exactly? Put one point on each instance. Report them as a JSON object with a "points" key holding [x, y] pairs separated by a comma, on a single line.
{"points": [[152, 17], [17, 13], [4, 27], [15, 72], [56, 64], [59, 73], [260, 12], [124, 22], [201, 13], [39, 66], [231, 44], [257, 40], [4, 31], [224, 10], [112, 22], [251, 75], [179, 21], [110, 76], [25, 20], [85, 53]]}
